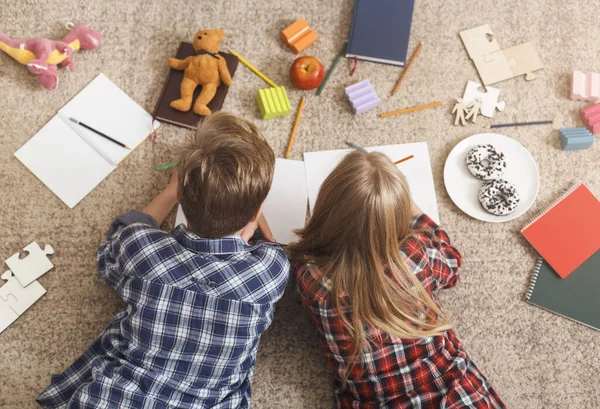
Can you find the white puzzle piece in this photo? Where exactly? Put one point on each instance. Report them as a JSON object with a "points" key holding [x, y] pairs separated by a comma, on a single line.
{"points": [[7, 315], [20, 298], [489, 99], [32, 267]]}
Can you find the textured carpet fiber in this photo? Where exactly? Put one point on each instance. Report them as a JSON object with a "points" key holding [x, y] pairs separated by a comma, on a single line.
{"points": [[533, 358]]}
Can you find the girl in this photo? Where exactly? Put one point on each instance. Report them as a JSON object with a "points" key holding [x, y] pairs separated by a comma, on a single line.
{"points": [[368, 266]]}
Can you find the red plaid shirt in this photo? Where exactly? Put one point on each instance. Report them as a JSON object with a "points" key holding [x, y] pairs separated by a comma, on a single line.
{"points": [[433, 372]]}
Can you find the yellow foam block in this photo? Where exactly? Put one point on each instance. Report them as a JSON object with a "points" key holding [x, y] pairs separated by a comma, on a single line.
{"points": [[273, 102]]}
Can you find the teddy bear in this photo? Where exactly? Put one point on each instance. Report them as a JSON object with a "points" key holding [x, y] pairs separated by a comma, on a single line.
{"points": [[207, 69]]}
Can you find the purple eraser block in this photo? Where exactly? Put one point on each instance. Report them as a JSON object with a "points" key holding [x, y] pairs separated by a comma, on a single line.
{"points": [[362, 96], [367, 105], [358, 85]]}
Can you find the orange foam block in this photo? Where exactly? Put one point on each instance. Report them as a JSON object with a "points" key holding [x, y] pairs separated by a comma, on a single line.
{"points": [[299, 36]]}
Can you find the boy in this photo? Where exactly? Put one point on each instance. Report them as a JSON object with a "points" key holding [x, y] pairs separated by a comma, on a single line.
{"points": [[197, 298]]}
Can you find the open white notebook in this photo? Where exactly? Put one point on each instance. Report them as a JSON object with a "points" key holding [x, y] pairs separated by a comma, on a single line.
{"points": [[72, 160], [285, 206], [417, 171]]}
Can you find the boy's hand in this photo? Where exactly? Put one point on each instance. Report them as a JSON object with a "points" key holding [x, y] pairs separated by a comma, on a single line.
{"points": [[264, 228], [262, 225], [173, 187]]}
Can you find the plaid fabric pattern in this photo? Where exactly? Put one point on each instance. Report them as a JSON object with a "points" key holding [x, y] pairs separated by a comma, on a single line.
{"points": [[189, 332], [428, 373]]}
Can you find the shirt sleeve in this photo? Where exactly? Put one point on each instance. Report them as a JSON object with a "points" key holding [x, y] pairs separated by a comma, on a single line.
{"points": [[112, 249], [444, 259]]}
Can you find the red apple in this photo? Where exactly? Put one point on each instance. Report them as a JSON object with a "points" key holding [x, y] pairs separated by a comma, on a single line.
{"points": [[307, 72]]}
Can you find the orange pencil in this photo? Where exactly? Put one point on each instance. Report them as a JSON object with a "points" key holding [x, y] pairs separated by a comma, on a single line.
{"points": [[294, 129], [412, 59], [420, 107], [404, 159]]}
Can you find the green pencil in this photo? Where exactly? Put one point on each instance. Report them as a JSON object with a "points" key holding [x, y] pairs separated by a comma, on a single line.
{"points": [[330, 70], [165, 167]]}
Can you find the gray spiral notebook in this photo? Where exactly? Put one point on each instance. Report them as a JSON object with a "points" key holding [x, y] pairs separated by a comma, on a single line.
{"points": [[575, 297]]}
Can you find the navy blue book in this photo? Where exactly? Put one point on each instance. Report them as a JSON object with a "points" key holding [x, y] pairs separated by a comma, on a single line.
{"points": [[380, 31]]}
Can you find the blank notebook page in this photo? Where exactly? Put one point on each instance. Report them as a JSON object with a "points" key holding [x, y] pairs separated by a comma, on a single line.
{"points": [[568, 232], [417, 171], [64, 162], [105, 107]]}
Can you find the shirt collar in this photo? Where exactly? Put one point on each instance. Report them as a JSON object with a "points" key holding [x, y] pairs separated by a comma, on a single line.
{"points": [[222, 245]]}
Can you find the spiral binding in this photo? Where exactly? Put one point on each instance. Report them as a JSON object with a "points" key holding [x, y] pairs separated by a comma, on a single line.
{"points": [[534, 277], [557, 201], [71, 125]]}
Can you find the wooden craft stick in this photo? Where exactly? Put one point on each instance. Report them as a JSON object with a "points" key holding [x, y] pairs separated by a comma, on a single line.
{"points": [[418, 108], [294, 129], [404, 159], [520, 124], [253, 69], [330, 70], [412, 59]]}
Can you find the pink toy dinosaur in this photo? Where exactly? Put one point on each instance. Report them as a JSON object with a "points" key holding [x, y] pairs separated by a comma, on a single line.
{"points": [[42, 55]]}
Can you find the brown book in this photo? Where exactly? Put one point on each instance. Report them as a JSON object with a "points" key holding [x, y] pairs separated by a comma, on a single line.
{"points": [[163, 111]]}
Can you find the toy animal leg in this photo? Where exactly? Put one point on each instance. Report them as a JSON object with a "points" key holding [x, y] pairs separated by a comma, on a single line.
{"points": [[187, 93], [38, 66], [206, 95], [49, 78], [68, 64]]}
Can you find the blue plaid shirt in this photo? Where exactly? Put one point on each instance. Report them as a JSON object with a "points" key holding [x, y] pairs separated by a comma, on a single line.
{"points": [[189, 332]]}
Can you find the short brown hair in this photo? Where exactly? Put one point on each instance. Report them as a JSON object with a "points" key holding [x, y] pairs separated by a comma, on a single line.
{"points": [[225, 174]]}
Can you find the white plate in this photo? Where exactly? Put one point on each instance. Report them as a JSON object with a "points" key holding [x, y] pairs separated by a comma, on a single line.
{"points": [[463, 188]]}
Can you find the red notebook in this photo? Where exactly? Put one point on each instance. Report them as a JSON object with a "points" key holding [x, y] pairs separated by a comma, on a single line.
{"points": [[568, 232]]}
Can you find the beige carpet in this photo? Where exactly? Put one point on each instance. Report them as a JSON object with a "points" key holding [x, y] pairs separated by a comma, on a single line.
{"points": [[533, 358]]}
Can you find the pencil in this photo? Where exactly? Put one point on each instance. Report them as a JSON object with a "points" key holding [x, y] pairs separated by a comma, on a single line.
{"points": [[355, 146], [99, 133], [165, 167], [253, 69], [520, 124], [404, 159], [412, 59], [330, 70], [294, 129], [418, 108]]}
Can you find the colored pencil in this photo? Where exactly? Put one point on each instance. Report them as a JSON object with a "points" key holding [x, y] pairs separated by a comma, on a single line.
{"points": [[330, 70], [404, 159], [355, 146], [294, 129], [412, 59], [165, 167], [418, 108], [99, 133], [253, 69], [520, 124]]}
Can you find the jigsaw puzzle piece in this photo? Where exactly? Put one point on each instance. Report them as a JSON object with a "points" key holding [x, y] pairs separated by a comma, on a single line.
{"points": [[493, 68], [7, 314], [32, 267], [489, 99], [523, 60], [23, 297], [479, 42]]}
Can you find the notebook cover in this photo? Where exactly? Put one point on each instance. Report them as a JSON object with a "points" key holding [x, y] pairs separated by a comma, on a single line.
{"points": [[170, 93], [575, 297], [380, 31], [566, 233]]}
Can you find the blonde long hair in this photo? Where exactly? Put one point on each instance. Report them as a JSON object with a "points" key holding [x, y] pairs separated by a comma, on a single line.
{"points": [[361, 219]]}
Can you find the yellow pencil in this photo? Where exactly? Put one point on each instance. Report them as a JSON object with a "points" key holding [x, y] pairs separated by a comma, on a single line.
{"points": [[420, 107], [412, 59], [294, 129], [254, 70]]}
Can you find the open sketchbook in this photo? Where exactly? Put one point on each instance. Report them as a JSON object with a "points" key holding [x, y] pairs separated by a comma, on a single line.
{"points": [[417, 171], [72, 160], [285, 206]]}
